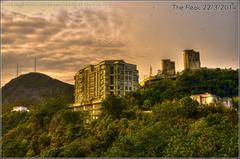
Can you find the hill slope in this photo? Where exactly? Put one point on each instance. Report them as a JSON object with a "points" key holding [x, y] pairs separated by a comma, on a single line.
{"points": [[176, 127], [35, 87]]}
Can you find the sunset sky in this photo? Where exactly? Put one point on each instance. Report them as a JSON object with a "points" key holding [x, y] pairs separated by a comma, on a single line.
{"points": [[66, 36]]}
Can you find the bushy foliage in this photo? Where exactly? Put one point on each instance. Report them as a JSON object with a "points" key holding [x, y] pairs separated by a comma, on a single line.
{"points": [[42, 132], [176, 126], [113, 106], [222, 82]]}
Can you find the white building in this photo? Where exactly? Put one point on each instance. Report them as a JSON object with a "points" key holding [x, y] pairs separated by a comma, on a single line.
{"points": [[208, 98], [227, 102], [20, 109]]}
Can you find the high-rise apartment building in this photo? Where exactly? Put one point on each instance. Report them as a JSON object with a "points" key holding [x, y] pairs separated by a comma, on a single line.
{"points": [[95, 82], [191, 59], [168, 67]]}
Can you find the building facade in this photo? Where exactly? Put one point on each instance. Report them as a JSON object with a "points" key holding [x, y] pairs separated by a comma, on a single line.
{"points": [[205, 99], [95, 82], [20, 109], [191, 59], [156, 79], [208, 98], [168, 67], [167, 72]]}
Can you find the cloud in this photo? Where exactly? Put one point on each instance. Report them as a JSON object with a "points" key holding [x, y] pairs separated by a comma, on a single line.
{"points": [[66, 38], [62, 42], [7, 40]]}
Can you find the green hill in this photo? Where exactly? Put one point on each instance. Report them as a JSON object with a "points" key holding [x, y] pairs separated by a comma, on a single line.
{"points": [[176, 127], [32, 88]]}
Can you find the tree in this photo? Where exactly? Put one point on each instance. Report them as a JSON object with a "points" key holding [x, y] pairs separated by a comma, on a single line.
{"points": [[188, 106], [177, 126], [113, 106]]}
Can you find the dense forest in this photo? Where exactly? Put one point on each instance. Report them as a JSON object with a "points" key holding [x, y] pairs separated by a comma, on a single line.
{"points": [[157, 121]]}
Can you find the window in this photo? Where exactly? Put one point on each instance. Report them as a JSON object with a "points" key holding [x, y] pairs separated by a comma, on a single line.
{"points": [[111, 80], [111, 70]]}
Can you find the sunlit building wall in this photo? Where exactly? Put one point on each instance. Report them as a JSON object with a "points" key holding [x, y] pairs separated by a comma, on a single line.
{"points": [[95, 82]]}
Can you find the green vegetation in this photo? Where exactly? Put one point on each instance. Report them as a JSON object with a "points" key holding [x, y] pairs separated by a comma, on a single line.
{"points": [[177, 126], [30, 89]]}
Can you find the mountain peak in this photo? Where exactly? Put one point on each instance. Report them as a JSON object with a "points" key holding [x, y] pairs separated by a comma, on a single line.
{"points": [[34, 86]]}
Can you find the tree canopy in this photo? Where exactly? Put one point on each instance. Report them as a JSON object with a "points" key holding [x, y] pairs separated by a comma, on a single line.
{"points": [[176, 127]]}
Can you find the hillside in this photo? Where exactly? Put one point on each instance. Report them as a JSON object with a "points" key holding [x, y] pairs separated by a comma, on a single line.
{"points": [[176, 127], [35, 87]]}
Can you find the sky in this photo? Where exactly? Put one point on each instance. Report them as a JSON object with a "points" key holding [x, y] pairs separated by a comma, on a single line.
{"points": [[66, 36]]}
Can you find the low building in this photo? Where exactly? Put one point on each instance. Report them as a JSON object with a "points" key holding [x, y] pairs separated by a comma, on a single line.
{"points": [[20, 109], [205, 98], [208, 98], [156, 79], [227, 102], [95, 82], [147, 112]]}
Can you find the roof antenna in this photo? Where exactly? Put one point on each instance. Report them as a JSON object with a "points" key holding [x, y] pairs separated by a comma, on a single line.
{"points": [[150, 70], [17, 69], [35, 64]]}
